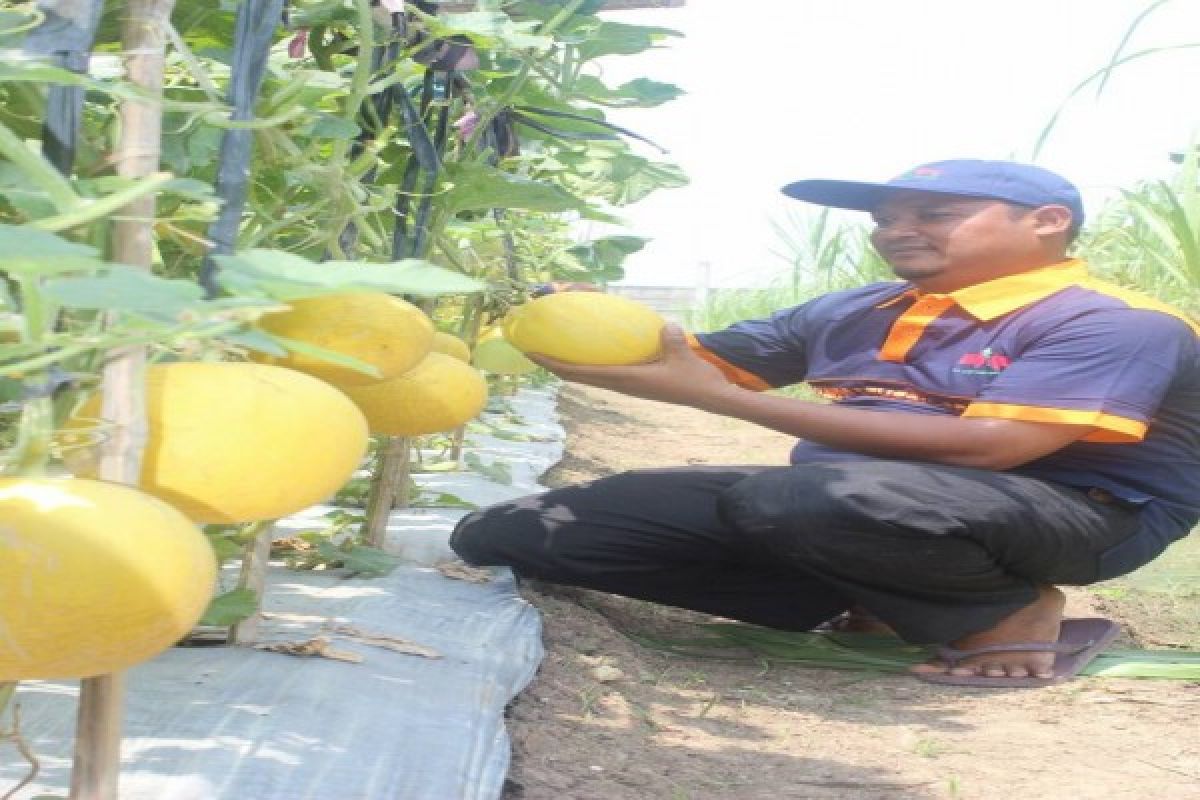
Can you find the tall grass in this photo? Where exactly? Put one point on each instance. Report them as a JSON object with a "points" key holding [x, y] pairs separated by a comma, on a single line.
{"points": [[822, 255], [1149, 238]]}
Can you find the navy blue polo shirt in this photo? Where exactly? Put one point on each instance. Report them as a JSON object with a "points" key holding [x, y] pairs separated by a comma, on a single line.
{"points": [[1050, 345]]}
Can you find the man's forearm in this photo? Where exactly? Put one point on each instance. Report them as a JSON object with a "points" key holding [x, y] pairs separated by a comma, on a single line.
{"points": [[943, 439]]}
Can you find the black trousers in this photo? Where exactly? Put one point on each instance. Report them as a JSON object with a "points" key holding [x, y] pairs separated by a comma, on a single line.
{"points": [[936, 552]]}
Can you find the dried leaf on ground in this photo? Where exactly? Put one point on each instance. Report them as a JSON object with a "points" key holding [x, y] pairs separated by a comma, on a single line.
{"points": [[384, 640], [317, 646], [459, 571]]}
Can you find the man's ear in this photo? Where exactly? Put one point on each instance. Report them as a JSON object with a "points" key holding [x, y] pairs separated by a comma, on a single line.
{"points": [[1051, 220]]}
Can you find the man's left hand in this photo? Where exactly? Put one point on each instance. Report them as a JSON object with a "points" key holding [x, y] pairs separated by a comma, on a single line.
{"points": [[677, 376]]}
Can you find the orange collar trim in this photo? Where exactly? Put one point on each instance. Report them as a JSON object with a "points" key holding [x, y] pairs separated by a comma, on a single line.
{"points": [[987, 301], [995, 298]]}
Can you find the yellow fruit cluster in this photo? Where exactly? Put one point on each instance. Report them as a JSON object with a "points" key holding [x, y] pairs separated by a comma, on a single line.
{"points": [[97, 576]]}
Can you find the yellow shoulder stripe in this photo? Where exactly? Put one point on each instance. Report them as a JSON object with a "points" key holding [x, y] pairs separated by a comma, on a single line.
{"points": [[1135, 299], [1108, 427]]}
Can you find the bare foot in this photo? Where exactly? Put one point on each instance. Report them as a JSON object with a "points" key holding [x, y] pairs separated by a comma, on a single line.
{"points": [[1037, 622]]}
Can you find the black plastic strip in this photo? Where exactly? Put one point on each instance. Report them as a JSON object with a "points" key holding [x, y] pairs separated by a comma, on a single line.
{"points": [[66, 35], [257, 21]]}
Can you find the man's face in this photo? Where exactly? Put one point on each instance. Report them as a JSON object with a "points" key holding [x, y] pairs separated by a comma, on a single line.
{"points": [[945, 242]]}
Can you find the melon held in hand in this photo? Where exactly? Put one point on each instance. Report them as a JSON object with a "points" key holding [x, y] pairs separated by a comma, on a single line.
{"points": [[94, 577], [586, 328]]}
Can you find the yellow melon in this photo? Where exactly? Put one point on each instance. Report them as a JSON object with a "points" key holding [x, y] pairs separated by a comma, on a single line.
{"points": [[235, 442], [493, 353], [439, 394], [376, 328], [94, 577], [451, 345], [586, 328]]}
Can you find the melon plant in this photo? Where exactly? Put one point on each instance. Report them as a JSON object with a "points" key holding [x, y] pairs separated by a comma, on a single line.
{"points": [[236, 442], [375, 328], [586, 328], [493, 353], [439, 394], [94, 577]]}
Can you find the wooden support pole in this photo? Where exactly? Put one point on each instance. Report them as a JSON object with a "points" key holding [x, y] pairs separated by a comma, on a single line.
{"points": [[253, 576], [389, 488], [97, 758]]}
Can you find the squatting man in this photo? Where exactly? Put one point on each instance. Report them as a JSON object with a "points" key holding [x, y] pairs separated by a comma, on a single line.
{"points": [[1001, 423]]}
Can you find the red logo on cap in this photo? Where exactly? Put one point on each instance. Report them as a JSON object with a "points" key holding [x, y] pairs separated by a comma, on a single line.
{"points": [[926, 172]]}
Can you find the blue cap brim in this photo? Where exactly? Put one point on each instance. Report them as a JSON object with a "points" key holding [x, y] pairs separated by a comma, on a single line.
{"points": [[853, 195]]}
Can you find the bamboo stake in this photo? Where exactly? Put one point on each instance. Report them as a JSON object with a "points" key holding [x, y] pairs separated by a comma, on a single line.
{"points": [[389, 488], [253, 576], [97, 758]]}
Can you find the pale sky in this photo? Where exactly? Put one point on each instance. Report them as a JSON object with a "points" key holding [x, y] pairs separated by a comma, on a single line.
{"points": [[780, 90]]}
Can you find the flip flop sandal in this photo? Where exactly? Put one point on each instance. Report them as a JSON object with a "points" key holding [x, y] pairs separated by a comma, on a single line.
{"points": [[1079, 641]]}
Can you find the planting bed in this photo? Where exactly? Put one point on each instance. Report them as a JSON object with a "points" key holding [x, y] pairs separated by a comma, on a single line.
{"points": [[238, 723]]}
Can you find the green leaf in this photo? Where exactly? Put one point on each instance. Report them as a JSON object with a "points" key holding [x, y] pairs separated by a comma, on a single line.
{"points": [[639, 93], [255, 339], [443, 500], [497, 471], [616, 38], [607, 252], [493, 30], [621, 176], [224, 548], [328, 126], [31, 251], [125, 289], [286, 276], [32, 72], [478, 187], [369, 561], [11, 390], [231, 608], [304, 348]]}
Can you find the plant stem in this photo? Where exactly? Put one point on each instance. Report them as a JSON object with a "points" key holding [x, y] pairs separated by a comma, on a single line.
{"points": [[360, 83], [92, 210], [40, 171], [34, 432]]}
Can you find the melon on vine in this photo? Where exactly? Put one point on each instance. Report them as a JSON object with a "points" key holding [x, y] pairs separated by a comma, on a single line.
{"points": [[450, 345], [235, 442], [439, 394], [94, 577], [493, 353], [378, 329]]}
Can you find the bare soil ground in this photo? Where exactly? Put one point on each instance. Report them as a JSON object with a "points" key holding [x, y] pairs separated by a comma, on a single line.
{"points": [[609, 718]]}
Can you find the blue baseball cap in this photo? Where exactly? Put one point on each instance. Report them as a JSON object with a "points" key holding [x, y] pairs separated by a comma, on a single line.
{"points": [[1023, 184]]}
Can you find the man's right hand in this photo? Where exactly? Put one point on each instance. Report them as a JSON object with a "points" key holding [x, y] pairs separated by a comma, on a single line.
{"points": [[677, 376]]}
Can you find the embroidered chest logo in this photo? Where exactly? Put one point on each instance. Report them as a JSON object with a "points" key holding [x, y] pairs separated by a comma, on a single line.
{"points": [[985, 362]]}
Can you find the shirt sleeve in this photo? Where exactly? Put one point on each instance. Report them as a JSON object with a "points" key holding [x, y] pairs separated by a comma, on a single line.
{"points": [[761, 354], [1109, 369]]}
